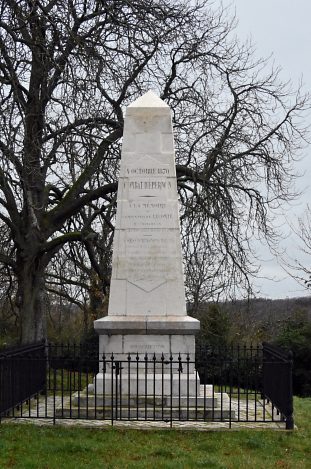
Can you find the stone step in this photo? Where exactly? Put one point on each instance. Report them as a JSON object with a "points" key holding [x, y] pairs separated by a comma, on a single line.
{"points": [[142, 413], [208, 405], [183, 401], [150, 383]]}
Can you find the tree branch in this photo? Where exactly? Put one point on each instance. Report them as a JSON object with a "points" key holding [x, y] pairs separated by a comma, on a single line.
{"points": [[65, 295], [4, 259], [61, 240], [75, 206], [79, 122], [10, 200]]}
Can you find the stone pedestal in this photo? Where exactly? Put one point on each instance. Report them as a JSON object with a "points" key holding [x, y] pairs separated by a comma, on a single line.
{"points": [[147, 310]]}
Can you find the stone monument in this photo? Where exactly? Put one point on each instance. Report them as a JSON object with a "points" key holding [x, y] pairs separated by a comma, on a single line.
{"points": [[147, 309], [147, 341]]}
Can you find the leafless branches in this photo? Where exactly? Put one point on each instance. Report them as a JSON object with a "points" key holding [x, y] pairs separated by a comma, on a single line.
{"points": [[68, 69]]}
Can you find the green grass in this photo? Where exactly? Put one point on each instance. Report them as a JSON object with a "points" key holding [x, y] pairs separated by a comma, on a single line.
{"points": [[25, 446], [64, 379]]}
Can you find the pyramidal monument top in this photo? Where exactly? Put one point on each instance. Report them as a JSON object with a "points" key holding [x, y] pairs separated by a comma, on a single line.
{"points": [[148, 100]]}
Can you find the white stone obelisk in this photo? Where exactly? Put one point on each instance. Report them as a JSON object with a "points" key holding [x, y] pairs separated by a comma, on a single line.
{"points": [[147, 310]]}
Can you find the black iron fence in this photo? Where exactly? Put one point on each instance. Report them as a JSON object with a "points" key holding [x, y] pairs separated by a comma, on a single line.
{"points": [[229, 384], [241, 366], [277, 380], [22, 374]]}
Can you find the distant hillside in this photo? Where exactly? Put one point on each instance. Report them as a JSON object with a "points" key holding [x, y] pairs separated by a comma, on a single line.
{"points": [[258, 319], [262, 309]]}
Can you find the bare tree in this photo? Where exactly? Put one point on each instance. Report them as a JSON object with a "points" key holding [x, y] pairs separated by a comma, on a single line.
{"points": [[71, 276], [68, 68], [299, 267]]}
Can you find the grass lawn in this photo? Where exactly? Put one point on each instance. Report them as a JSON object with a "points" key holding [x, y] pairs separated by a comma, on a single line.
{"points": [[26, 446]]}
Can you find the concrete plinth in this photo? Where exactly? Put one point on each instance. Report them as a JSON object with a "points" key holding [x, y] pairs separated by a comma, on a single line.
{"points": [[205, 405], [152, 355]]}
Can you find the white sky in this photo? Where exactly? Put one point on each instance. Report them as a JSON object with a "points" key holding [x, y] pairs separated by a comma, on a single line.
{"points": [[281, 28]]}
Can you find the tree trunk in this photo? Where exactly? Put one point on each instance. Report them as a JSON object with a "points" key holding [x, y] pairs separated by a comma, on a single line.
{"points": [[30, 302]]}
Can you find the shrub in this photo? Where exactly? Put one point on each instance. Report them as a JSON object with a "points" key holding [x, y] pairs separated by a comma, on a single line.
{"points": [[296, 336]]}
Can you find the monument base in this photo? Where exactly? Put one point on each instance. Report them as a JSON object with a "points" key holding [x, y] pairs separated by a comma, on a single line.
{"points": [[147, 355], [206, 405]]}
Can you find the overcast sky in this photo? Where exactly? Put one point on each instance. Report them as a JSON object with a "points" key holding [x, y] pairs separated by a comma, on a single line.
{"points": [[281, 28]]}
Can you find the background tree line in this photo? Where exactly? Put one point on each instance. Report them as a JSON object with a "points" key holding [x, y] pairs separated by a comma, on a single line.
{"points": [[286, 323]]}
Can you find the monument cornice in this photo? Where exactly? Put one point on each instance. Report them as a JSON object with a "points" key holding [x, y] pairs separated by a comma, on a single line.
{"points": [[147, 325]]}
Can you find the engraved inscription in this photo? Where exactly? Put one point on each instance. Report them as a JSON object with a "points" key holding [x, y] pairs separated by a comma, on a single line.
{"points": [[151, 185], [150, 246], [146, 268], [146, 166], [134, 171], [149, 268], [142, 214], [146, 346], [143, 187]]}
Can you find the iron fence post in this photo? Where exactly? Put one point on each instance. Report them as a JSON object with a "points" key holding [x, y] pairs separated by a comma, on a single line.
{"points": [[290, 416]]}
